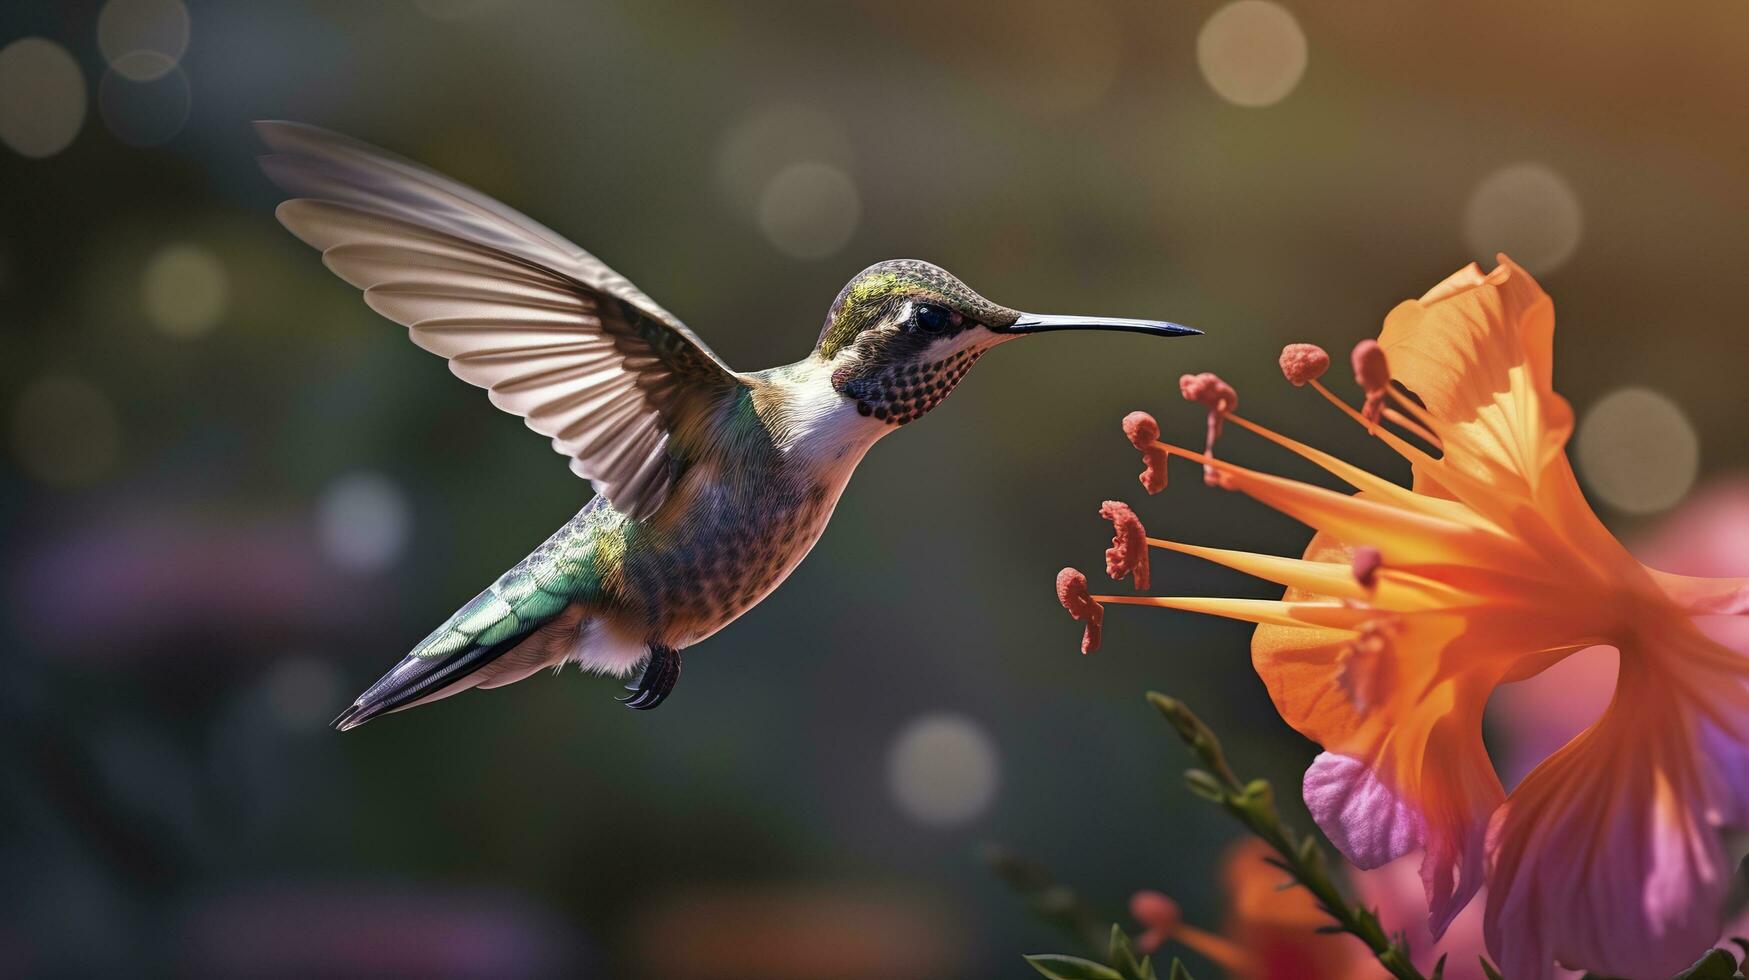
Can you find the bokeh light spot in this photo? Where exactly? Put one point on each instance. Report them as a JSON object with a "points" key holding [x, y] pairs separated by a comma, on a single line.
{"points": [[65, 431], [809, 210], [303, 693], [943, 769], [126, 27], [1637, 451], [185, 291], [1252, 53], [42, 97], [1528, 211], [144, 113], [756, 148], [363, 521]]}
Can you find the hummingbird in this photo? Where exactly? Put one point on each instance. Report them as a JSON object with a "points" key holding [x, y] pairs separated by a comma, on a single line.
{"points": [[711, 484]]}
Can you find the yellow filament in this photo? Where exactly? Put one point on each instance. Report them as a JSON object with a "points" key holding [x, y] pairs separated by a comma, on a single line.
{"points": [[1272, 611]]}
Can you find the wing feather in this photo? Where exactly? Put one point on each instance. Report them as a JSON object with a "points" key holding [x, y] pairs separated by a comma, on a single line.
{"points": [[552, 333]]}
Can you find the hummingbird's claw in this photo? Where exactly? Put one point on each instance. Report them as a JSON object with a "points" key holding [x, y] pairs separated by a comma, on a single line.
{"points": [[660, 675]]}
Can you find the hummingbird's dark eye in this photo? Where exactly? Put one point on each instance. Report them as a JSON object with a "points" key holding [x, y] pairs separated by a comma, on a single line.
{"points": [[930, 318]]}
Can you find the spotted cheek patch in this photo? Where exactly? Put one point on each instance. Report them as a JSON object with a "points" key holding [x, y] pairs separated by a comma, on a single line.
{"points": [[906, 393]]}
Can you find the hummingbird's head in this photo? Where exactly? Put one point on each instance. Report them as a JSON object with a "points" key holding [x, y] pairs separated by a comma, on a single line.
{"points": [[903, 332]]}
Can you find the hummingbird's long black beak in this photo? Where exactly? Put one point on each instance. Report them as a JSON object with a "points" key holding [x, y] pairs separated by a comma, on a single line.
{"points": [[1043, 322]]}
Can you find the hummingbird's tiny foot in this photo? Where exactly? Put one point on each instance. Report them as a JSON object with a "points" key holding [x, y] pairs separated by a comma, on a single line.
{"points": [[660, 675]]}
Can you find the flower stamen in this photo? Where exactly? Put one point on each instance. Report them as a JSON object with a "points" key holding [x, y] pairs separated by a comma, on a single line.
{"points": [[1144, 434], [1303, 363], [1209, 391], [1162, 922], [1373, 375], [1082, 607], [1128, 554], [1422, 424], [1404, 449]]}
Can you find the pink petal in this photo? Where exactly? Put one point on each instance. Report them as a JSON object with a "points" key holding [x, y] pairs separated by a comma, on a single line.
{"points": [[1728, 773], [1369, 823], [1372, 823], [1603, 856]]}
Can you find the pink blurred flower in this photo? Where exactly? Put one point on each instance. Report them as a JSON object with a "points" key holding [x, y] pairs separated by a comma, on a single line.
{"points": [[120, 584], [1270, 933], [366, 929]]}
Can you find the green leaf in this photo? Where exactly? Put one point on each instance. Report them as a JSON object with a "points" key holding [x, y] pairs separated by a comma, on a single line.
{"points": [[1439, 968], [1060, 967], [1715, 965], [1488, 968], [1205, 785], [1122, 957], [1190, 728], [1178, 972]]}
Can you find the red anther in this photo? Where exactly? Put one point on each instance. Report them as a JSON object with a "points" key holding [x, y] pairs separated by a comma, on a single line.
{"points": [[1128, 554], [1141, 430], [1366, 564], [1153, 475], [1371, 371], [1159, 917], [1373, 374], [1144, 434], [1207, 389], [1219, 398], [1072, 593], [1301, 363]]}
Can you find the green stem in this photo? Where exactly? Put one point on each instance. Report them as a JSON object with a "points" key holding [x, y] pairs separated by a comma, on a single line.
{"points": [[1254, 804]]}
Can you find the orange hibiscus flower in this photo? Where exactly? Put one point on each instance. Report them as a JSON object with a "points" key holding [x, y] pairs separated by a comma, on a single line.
{"points": [[1412, 604]]}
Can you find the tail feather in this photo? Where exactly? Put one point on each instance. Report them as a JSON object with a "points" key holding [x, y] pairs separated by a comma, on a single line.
{"points": [[533, 616], [500, 628], [416, 680]]}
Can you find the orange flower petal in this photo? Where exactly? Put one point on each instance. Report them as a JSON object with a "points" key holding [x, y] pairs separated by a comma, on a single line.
{"points": [[1478, 350]]}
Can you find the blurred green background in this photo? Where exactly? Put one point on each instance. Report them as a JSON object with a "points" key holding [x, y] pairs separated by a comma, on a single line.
{"points": [[231, 495]]}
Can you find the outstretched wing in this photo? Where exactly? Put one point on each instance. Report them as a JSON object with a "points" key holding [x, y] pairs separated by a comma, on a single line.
{"points": [[556, 337]]}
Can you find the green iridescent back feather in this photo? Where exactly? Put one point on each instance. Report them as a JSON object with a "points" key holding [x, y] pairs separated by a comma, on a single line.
{"points": [[568, 567]]}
